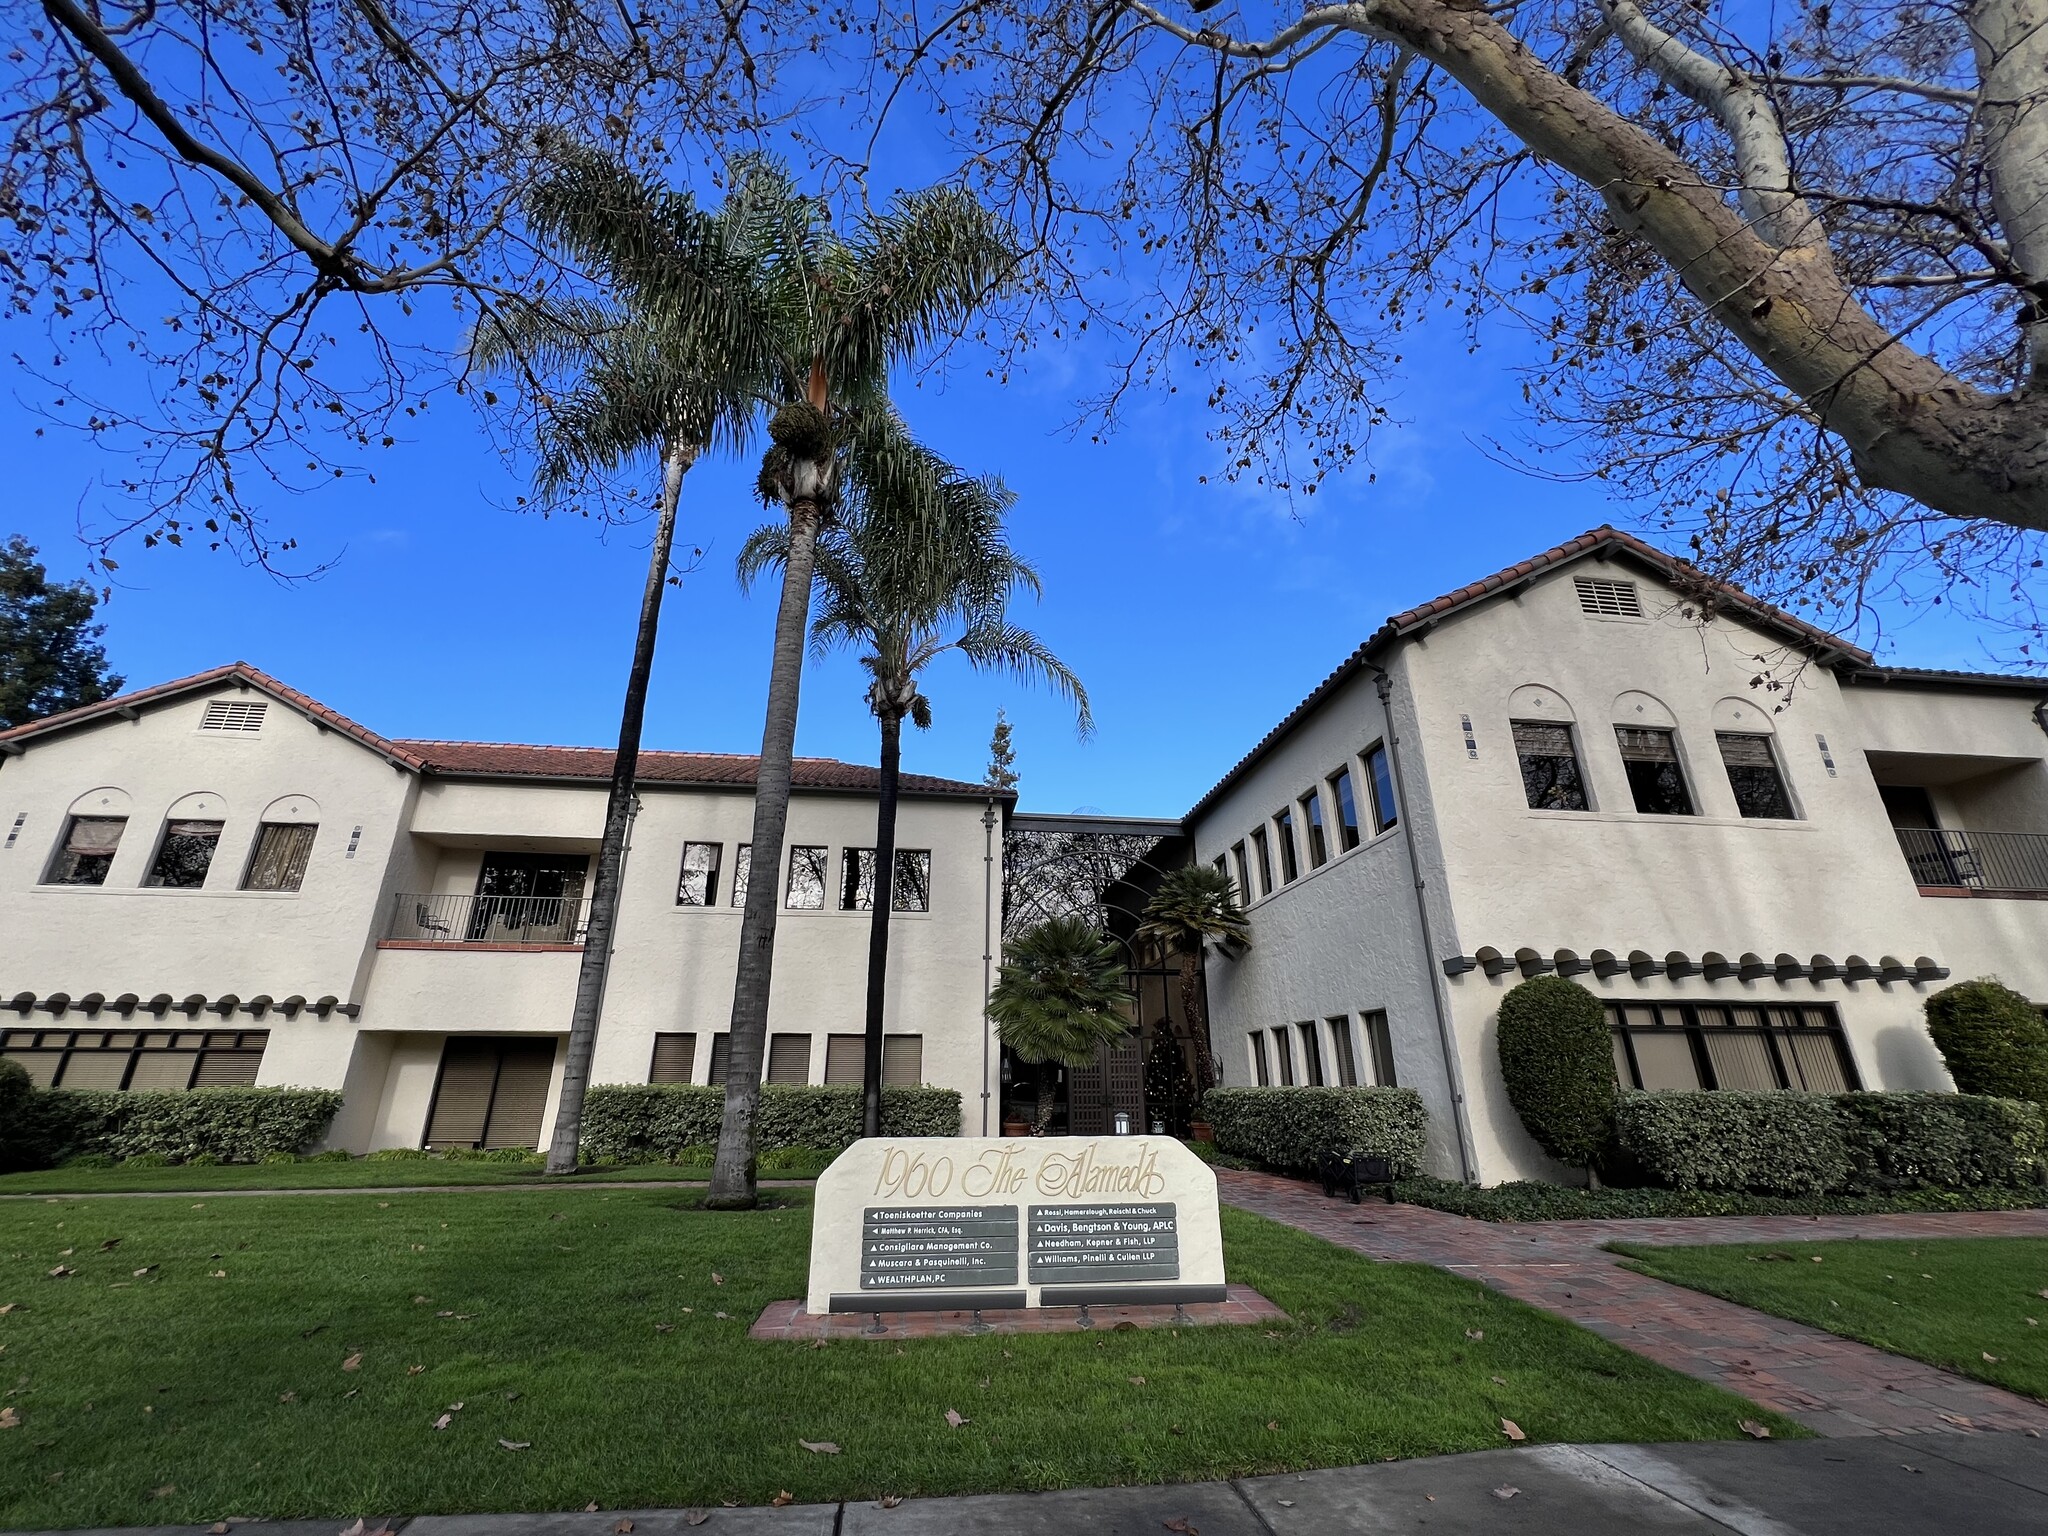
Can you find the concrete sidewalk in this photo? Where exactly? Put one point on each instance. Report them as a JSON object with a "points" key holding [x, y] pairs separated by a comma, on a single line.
{"points": [[1987, 1485]]}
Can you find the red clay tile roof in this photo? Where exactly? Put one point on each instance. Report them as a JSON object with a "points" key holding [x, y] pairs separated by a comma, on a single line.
{"points": [[1597, 541], [234, 672], [486, 759], [489, 759]]}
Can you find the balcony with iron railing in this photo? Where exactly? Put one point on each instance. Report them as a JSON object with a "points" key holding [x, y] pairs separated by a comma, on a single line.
{"points": [[499, 922], [1987, 863]]}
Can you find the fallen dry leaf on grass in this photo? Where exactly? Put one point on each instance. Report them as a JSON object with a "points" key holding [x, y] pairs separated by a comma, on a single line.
{"points": [[218, 1274], [516, 1445], [955, 1417], [1991, 1358], [664, 1327], [1506, 1491], [1754, 1430], [889, 1500], [414, 1370], [9, 1419], [163, 1490], [822, 1447], [785, 1497], [1272, 1423], [353, 1362], [13, 1304], [1498, 1381], [61, 1271], [445, 1420], [147, 1269], [287, 1397], [1136, 1381], [726, 1315], [1475, 1334], [1512, 1430], [110, 1245]]}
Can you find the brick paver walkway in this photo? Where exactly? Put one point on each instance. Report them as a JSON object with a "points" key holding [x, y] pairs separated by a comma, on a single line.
{"points": [[1832, 1385]]}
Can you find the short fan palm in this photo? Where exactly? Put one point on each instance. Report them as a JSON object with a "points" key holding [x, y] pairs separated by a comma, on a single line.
{"points": [[1060, 997]]}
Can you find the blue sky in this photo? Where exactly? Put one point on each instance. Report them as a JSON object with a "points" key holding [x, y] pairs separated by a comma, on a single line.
{"points": [[1196, 614]]}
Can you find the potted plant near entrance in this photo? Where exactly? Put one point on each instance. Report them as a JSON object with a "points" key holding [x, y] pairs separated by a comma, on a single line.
{"points": [[1060, 997]]}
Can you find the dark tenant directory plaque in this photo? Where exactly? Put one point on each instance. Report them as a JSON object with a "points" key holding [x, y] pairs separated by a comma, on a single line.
{"points": [[916, 1248], [1103, 1244]]}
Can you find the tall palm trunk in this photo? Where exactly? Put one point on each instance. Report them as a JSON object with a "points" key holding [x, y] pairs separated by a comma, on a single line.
{"points": [[1197, 1016], [618, 816], [732, 1173], [878, 923]]}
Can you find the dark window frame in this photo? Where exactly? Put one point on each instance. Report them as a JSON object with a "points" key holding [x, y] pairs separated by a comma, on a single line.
{"points": [[1379, 1047], [1262, 858], [1658, 778], [1260, 1075], [1311, 1054], [1697, 1021], [824, 867], [1775, 767], [1312, 828], [291, 865], [156, 879], [1343, 1050], [707, 896], [1245, 894], [64, 851], [1341, 788], [1379, 782], [1531, 788], [1283, 839]]}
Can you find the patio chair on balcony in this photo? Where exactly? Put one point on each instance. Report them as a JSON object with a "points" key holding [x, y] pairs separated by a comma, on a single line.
{"points": [[423, 918]]}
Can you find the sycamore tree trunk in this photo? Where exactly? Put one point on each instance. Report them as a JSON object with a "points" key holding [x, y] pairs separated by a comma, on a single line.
{"points": [[618, 815], [1198, 1018], [878, 923], [732, 1174]]}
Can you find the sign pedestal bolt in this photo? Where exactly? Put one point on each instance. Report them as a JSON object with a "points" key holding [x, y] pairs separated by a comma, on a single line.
{"points": [[979, 1326], [1084, 1320], [879, 1325], [1181, 1318]]}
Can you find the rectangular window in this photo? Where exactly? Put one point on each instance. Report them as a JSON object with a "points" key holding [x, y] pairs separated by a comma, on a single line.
{"points": [[1311, 1054], [138, 1061], [721, 1054], [1244, 873], [1263, 856], [742, 864], [1550, 767], [902, 1060], [844, 1057], [789, 1058], [1259, 1073], [278, 861], [1283, 1054], [1283, 833], [1312, 829], [1381, 776], [1753, 775], [184, 855], [1680, 1047], [1347, 810], [675, 1058], [698, 885], [87, 851], [1341, 1054], [1379, 1046], [911, 891], [1650, 758], [807, 868]]}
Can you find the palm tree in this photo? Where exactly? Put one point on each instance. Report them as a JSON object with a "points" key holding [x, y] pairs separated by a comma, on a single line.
{"points": [[1194, 904], [905, 606], [851, 307], [1060, 996], [671, 362]]}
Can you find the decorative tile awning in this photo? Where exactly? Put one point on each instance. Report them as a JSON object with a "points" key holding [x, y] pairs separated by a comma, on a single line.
{"points": [[1712, 965], [92, 1004]]}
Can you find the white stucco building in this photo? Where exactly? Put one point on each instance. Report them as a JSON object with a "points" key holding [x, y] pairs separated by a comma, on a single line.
{"points": [[1761, 849], [222, 880]]}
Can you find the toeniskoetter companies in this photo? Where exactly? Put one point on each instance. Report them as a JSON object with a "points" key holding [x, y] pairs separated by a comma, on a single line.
{"points": [[1760, 848]]}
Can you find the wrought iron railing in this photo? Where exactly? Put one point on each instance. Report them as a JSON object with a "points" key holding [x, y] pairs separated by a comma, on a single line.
{"points": [[1983, 861], [418, 918]]}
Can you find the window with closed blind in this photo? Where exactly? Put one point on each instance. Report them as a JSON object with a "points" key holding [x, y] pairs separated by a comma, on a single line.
{"points": [[1551, 780], [1686, 1047], [789, 1058], [137, 1060], [1283, 1054], [1342, 1057], [278, 861], [721, 1053], [87, 852], [902, 1060], [1379, 1047], [1650, 759], [492, 1091], [1260, 1075], [1311, 1054], [1754, 776], [675, 1058]]}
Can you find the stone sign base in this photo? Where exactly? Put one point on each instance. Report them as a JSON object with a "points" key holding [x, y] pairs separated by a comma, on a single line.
{"points": [[789, 1320]]}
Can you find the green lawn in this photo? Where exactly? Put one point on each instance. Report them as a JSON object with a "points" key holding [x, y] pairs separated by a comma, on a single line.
{"points": [[1976, 1305], [593, 1327], [361, 1173]]}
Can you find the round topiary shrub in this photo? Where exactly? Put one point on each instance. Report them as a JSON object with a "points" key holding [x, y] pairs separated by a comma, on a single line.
{"points": [[1557, 1059], [1992, 1039], [20, 1146]]}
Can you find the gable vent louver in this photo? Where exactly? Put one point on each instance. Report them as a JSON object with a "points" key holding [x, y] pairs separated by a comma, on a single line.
{"points": [[242, 717], [1608, 599]]}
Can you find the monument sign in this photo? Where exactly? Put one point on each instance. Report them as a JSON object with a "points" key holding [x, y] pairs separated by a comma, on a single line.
{"points": [[946, 1222]]}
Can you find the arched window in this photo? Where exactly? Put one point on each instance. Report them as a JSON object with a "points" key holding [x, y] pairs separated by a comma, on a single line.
{"points": [[92, 835], [1647, 733], [1746, 741], [284, 844], [184, 853], [1546, 749]]}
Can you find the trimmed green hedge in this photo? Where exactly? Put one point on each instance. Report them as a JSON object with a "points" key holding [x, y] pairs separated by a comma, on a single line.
{"points": [[1291, 1128], [1557, 1063], [1532, 1201], [654, 1122], [235, 1125], [1800, 1144], [1992, 1040]]}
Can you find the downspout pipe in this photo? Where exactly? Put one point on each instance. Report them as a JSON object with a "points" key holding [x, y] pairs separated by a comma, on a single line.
{"points": [[988, 898], [1468, 1161]]}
